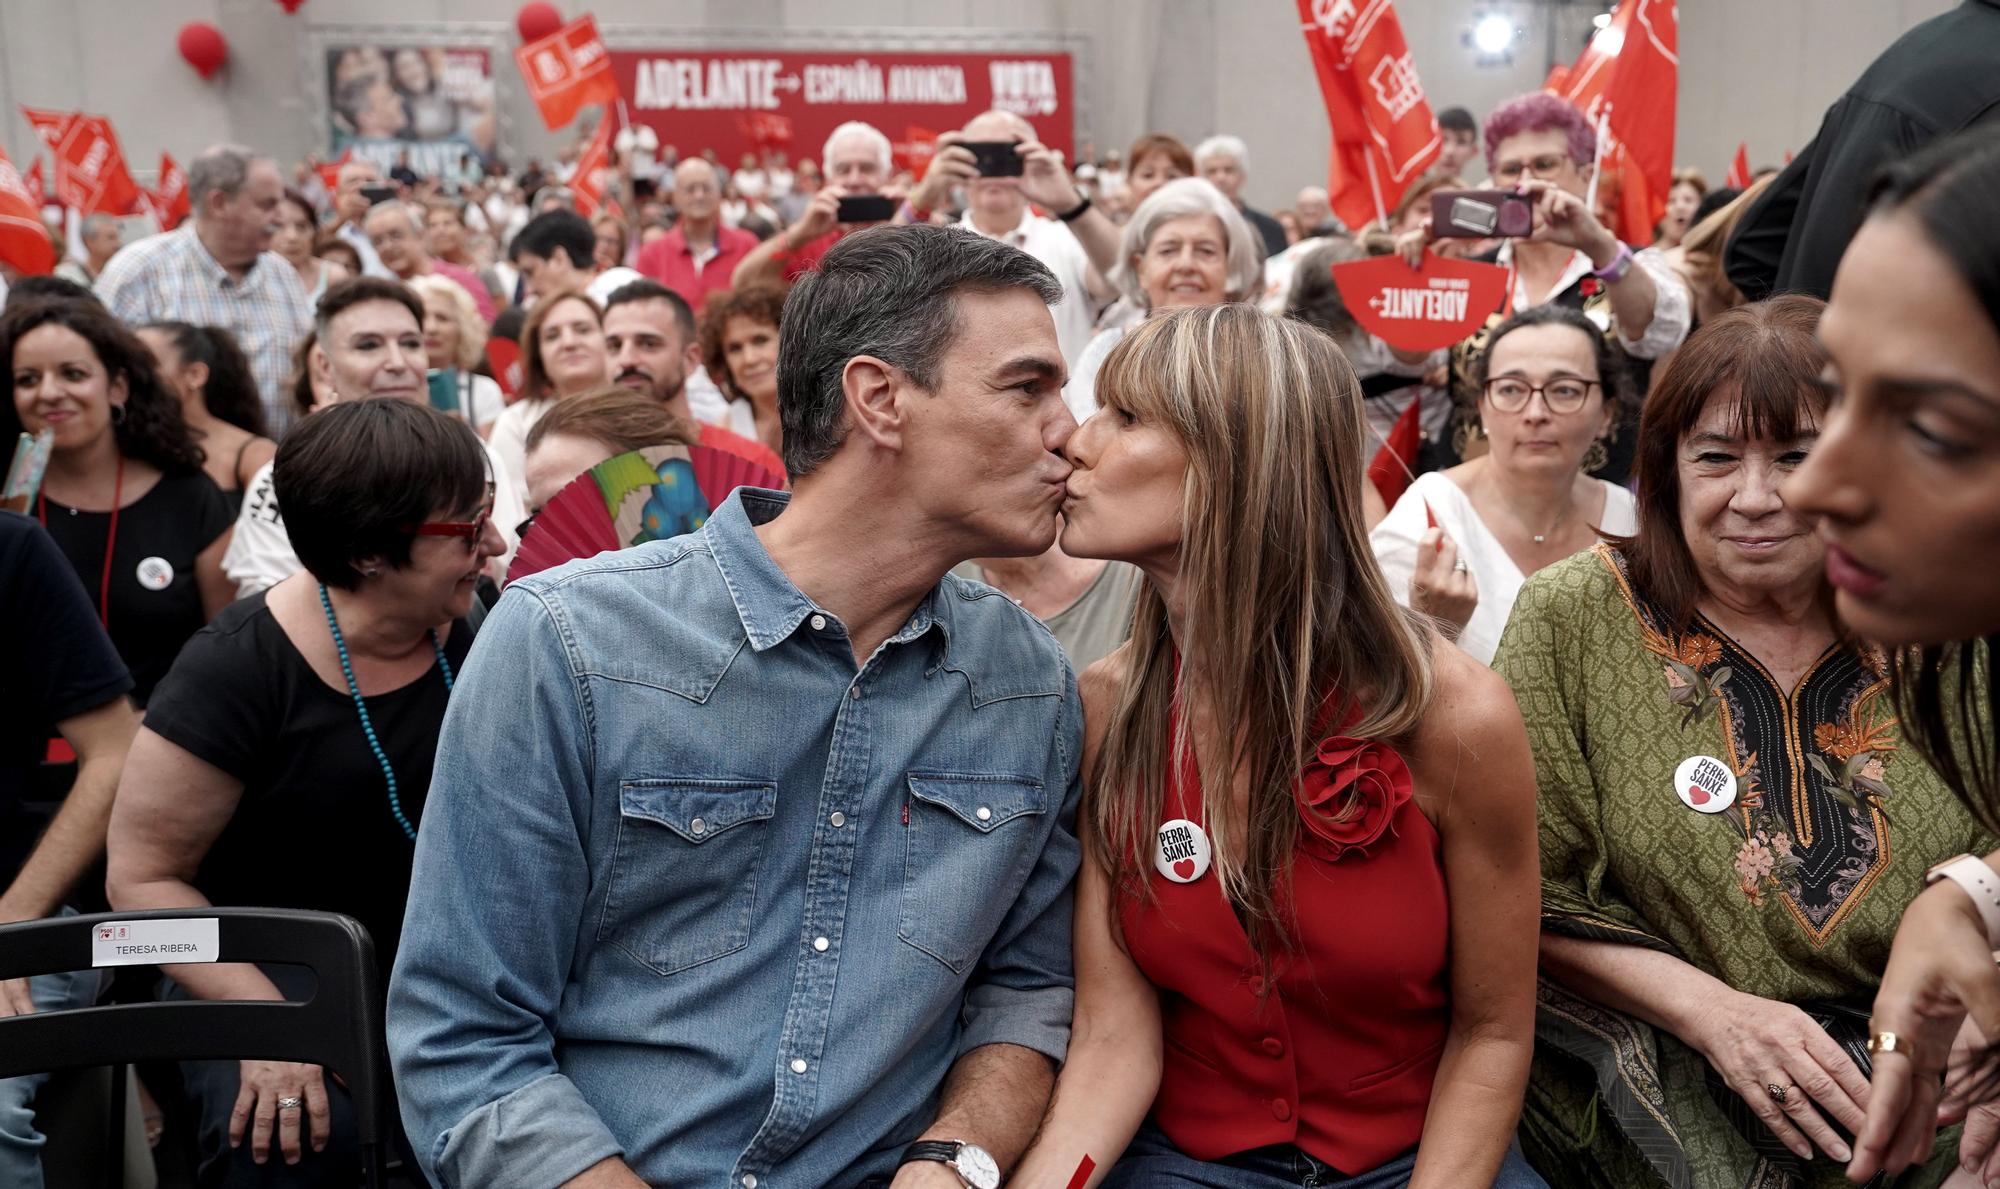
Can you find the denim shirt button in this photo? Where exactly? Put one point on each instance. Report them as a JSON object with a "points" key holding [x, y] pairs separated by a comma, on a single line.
{"points": [[819, 623], [697, 826], [798, 1065], [983, 814], [853, 691], [749, 1180], [837, 818], [820, 944]]}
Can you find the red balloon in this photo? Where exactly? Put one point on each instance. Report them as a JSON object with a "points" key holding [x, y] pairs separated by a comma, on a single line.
{"points": [[290, 6], [537, 20], [204, 48]]}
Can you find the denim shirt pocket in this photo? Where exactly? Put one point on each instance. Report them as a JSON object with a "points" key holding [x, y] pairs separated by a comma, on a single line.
{"points": [[683, 883], [969, 842]]}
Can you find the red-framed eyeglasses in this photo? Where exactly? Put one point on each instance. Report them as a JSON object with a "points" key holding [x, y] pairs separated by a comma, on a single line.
{"points": [[469, 530]]}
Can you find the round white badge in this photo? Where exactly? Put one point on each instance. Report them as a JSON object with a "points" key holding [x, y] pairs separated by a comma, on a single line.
{"points": [[156, 573], [1181, 853], [1705, 784]]}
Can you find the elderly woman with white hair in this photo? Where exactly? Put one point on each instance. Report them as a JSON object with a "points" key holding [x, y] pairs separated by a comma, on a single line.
{"points": [[1186, 245], [455, 344]]}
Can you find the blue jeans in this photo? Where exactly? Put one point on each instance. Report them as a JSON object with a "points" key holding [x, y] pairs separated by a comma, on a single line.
{"points": [[20, 1142], [1152, 1160]]}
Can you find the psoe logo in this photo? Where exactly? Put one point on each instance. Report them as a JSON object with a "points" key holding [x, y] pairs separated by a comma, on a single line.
{"points": [[1024, 88]]}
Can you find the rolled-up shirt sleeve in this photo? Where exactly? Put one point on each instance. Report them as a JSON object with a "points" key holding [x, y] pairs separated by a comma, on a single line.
{"points": [[495, 899], [1025, 985], [1672, 309]]}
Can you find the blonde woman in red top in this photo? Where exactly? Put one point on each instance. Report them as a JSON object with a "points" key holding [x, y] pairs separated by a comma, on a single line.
{"points": [[1307, 916]]}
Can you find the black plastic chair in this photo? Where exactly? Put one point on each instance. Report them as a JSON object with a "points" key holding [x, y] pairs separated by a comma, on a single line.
{"points": [[340, 1027]]}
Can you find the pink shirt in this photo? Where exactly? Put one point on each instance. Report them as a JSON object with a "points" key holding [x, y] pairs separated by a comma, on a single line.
{"points": [[470, 282]]}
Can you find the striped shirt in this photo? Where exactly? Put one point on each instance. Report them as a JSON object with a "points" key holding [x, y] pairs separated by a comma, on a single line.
{"points": [[172, 277]]}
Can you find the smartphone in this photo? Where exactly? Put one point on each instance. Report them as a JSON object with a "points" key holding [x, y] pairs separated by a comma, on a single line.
{"points": [[444, 389], [866, 208], [996, 158], [378, 194], [24, 473], [1481, 214]]}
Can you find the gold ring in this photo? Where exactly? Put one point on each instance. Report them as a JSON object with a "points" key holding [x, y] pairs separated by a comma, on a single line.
{"points": [[1887, 1042]]}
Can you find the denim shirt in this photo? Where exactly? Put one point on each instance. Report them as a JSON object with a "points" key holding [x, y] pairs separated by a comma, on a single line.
{"points": [[692, 891]]}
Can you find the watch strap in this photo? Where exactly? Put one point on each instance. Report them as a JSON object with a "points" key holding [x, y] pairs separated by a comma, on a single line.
{"points": [[1980, 882], [1076, 212], [943, 1151], [1619, 266]]}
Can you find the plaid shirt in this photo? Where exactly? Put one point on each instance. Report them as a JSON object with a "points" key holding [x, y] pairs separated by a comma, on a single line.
{"points": [[172, 277]]}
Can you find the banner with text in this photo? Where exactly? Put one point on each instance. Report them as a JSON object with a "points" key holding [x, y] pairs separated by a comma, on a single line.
{"points": [[434, 104], [733, 100]]}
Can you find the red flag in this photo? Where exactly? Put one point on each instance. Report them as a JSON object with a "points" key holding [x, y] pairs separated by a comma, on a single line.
{"points": [[915, 150], [24, 242], [503, 359], [767, 130], [91, 177], [1393, 464], [1739, 169], [566, 70], [1384, 135], [1558, 81], [36, 189], [171, 197], [1626, 82], [593, 170]]}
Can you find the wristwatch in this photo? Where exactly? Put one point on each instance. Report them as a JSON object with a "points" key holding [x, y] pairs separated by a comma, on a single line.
{"points": [[1980, 883], [1615, 271], [971, 1162]]}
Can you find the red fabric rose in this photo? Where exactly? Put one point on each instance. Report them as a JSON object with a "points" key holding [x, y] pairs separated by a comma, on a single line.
{"points": [[1360, 782]]}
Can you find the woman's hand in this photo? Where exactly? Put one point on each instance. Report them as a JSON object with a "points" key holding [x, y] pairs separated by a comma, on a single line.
{"points": [[263, 1083], [1411, 244], [1940, 970], [1757, 1044], [1441, 588]]}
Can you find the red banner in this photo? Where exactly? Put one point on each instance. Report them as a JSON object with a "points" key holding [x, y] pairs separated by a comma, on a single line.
{"points": [[1626, 82], [91, 177], [593, 170], [746, 101], [1420, 311], [1384, 135], [24, 242], [36, 189], [170, 197], [568, 70]]}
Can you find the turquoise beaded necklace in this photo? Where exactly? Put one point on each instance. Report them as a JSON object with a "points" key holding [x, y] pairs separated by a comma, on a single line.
{"points": [[361, 708]]}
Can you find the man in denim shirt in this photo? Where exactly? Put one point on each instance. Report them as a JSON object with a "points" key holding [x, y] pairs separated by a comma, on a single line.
{"points": [[748, 853]]}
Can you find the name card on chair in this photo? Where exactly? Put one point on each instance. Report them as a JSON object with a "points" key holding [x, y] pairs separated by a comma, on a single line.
{"points": [[151, 943]]}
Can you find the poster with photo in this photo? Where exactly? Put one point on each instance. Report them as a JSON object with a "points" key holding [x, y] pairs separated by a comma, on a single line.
{"points": [[434, 103]]}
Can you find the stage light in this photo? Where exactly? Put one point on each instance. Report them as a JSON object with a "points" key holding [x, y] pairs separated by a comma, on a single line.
{"points": [[1601, 20], [1493, 35]]}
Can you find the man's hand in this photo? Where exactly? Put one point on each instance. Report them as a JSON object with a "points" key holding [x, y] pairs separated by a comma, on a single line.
{"points": [[1562, 218], [1045, 180], [951, 165], [821, 215], [14, 999]]}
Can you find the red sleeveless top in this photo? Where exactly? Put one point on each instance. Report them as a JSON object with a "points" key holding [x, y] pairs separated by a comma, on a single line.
{"points": [[1336, 1056]]}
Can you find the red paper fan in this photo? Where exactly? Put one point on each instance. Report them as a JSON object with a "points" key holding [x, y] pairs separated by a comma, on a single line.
{"points": [[646, 495]]}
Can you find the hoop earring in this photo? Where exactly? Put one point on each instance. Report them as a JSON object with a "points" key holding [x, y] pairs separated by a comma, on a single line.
{"points": [[1596, 458], [117, 414]]}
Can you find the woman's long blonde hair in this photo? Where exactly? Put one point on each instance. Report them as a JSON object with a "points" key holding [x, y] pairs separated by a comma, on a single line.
{"points": [[1284, 603]]}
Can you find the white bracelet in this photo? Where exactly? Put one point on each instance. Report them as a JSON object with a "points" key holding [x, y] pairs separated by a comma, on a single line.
{"points": [[1980, 883]]}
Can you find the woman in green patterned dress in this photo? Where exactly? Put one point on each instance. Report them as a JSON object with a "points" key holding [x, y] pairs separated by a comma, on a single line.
{"points": [[1729, 822]]}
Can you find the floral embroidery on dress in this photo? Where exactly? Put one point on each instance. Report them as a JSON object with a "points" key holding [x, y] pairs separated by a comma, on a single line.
{"points": [[1766, 860], [1861, 742], [1686, 657]]}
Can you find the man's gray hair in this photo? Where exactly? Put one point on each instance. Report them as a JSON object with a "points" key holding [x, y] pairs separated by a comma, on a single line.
{"points": [[219, 168], [889, 292], [1177, 200], [860, 130], [1223, 146]]}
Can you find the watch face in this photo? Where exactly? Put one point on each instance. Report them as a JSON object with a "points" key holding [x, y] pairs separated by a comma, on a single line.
{"points": [[980, 1170]]}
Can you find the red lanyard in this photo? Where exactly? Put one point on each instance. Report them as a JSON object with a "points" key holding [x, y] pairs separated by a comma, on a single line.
{"points": [[110, 540]]}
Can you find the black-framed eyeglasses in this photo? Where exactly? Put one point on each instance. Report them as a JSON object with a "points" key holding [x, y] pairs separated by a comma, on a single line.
{"points": [[1563, 394]]}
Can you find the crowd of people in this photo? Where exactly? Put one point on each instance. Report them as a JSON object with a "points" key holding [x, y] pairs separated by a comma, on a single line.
{"points": [[1074, 749]]}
